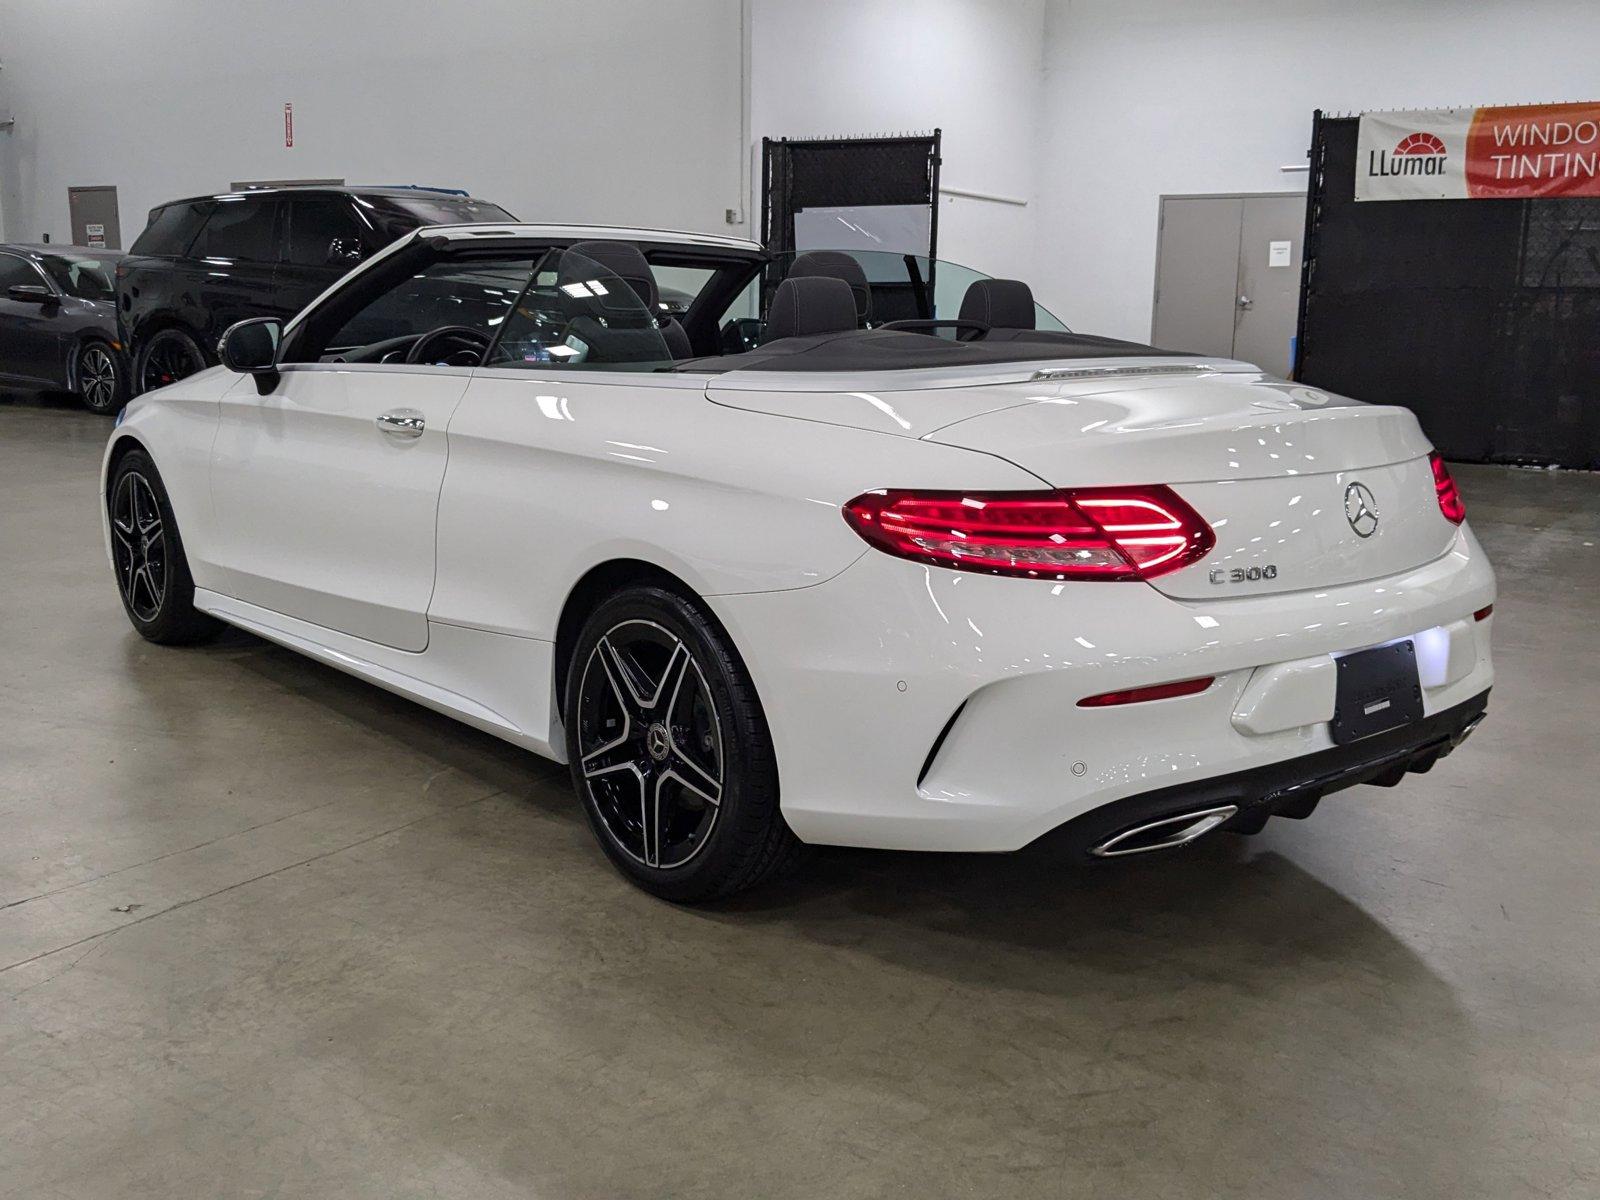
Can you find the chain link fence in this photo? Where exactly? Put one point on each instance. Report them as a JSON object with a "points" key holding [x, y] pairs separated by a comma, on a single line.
{"points": [[1482, 316]]}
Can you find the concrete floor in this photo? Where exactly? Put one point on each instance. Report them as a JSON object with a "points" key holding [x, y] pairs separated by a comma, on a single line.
{"points": [[268, 931]]}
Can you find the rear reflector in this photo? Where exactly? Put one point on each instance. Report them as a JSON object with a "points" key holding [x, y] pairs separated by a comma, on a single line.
{"points": [[1159, 691], [1083, 533], [1444, 487], [1483, 613]]}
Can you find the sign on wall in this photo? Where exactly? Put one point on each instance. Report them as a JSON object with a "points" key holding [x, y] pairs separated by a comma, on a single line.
{"points": [[1521, 152]]}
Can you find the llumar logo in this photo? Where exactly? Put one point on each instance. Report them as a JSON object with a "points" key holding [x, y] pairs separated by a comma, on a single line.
{"points": [[1416, 154]]}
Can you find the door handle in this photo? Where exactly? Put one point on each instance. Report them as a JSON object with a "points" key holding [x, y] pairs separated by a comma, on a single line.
{"points": [[1244, 301], [404, 422]]}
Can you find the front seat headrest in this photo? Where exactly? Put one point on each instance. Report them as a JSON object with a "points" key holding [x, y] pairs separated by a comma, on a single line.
{"points": [[836, 264], [811, 304], [627, 263], [1000, 303]]}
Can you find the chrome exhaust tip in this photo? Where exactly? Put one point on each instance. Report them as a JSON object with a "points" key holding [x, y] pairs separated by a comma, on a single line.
{"points": [[1466, 730], [1169, 833]]}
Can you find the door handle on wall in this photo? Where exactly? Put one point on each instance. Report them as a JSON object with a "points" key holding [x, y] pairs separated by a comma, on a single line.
{"points": [[405, 422], [1244, 301]]}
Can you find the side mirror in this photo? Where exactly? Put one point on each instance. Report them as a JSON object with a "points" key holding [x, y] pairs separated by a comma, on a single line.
{"points": [[31, 293], [251, 347], [343, 252]]}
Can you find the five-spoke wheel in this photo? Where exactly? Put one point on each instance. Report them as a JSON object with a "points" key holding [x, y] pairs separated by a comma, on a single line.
{"points": [[147, 553], [138, 545], [650, 744], [670, 750]]}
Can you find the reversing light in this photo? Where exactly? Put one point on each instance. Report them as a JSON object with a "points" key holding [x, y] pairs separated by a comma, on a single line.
{"points": [[1159, 691], [1080, 533], [1444, 487]]}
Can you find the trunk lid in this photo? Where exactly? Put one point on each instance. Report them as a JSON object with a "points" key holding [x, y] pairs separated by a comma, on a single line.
{"points": [[1303, 489]]}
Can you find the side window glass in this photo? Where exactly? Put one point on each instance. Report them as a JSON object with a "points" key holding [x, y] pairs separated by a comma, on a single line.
{"points": [[468, 295], [678, 287], [243, 229], [13, 271], [322, 233], [172, 228], [578, 313]]}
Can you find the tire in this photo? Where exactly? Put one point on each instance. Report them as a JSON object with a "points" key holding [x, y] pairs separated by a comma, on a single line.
{"points": [[167, 356], [670, 752], [99, 379], [147, 557]]}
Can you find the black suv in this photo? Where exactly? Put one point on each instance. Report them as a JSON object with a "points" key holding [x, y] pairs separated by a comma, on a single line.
{"points": [[202, 264]]}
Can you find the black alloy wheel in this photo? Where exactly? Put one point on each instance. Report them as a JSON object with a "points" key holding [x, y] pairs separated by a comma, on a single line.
{"points": [[167, 357], [147, 553], [650, 744], [670, 751], [99, 378], [139, 546]]}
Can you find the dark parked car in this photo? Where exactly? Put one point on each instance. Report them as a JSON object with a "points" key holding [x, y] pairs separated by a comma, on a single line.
{"points": [[58, 323], [202, 264]]}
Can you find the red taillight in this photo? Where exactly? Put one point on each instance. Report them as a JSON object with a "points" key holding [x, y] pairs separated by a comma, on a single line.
{"points": [[1445, 488], [1483, 613], [1159, 691], [1083, 533]]}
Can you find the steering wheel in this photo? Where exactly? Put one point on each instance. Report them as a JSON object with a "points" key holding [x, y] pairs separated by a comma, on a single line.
{"points": [[980, 329], [447, 341]]}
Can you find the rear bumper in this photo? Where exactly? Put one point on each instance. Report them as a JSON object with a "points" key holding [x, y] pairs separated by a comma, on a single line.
{"points": [[1159, 820], [917, 708]]}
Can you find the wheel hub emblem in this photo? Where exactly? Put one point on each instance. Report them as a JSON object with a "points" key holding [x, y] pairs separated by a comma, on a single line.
{"points": [[657, 741], [1361, 509]]}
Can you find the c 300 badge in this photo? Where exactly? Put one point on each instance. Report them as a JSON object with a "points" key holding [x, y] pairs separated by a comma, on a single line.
{"points": [[1243, 574]]}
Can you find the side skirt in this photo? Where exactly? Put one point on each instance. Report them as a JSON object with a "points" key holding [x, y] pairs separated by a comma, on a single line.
{"points": [[508, 678]]}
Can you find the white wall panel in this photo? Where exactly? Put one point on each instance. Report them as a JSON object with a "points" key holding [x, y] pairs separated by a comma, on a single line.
{"points": [[972, 67], [1145, 97], [614, 111]]}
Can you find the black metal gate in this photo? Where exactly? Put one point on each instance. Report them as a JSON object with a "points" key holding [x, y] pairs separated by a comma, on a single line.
{"points": [[1482, 316], [846, 172]]}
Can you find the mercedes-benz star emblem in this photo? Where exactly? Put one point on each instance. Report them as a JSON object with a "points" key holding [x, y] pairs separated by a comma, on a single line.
{"points": [[1361, 509], [657, 741]]}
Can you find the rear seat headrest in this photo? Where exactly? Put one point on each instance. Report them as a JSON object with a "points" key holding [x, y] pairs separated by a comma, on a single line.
{"points": [[1000, 303], [627, 262], [810, 305], [836, 264]]}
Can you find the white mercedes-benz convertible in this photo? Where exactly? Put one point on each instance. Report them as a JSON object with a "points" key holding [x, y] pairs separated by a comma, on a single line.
{"points": [[806, 559]]}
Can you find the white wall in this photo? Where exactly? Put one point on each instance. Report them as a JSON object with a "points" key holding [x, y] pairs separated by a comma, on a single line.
{"points": [[826, 68], [610, 111], [1145, 97], [629, 111]]}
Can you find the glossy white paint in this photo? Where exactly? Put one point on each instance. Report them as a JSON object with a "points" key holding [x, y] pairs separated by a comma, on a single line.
{"points": [[440, 568], [1287, 696], [330, 518], [851, 742]]}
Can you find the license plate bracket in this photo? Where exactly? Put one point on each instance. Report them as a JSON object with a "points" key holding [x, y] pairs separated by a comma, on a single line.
{"points": [[1378, 690]]}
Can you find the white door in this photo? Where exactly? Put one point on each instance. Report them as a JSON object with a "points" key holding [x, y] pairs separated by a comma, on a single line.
{"points": [[328, 488], [328, 485]]}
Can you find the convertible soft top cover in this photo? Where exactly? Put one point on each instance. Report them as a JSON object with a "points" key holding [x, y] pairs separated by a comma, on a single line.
{"points": [[900, 350]]}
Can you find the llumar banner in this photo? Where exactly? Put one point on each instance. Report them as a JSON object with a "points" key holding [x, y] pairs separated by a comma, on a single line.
{"points": [[1516, 153]]}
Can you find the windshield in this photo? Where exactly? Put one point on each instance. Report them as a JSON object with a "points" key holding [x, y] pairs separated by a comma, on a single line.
{"points": [[510, 307], [909, 287], [85, 278]]}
